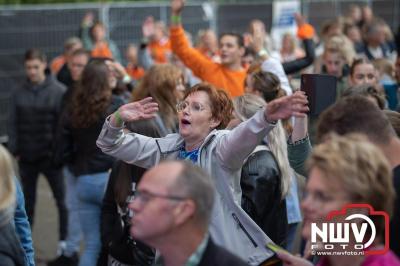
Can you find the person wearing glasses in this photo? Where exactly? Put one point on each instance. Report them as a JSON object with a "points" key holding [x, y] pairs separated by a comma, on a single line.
{"points": [[203, 113], [173, 204]]}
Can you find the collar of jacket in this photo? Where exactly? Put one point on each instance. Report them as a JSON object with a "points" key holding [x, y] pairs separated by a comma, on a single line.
{"points": [[44, 84], [167, 146]]}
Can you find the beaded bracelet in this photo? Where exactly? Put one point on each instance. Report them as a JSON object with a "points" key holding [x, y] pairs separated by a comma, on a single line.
{"points": [[118, 118]]}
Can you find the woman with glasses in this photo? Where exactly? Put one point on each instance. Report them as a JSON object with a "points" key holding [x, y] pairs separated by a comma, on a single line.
{"points": [[204, 111]]}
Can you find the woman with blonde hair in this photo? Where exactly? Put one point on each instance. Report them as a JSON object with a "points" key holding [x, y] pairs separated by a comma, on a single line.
{"points": [[266, 174], [290, 50], [336, 59], [11, 252], [164, 83], [268, 85], [344, 45]]}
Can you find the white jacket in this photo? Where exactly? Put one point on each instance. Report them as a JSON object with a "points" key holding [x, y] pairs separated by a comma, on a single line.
{"points": [[274, 66]]}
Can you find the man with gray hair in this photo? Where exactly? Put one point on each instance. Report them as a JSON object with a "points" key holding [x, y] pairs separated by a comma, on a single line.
{"points": [[171, 212]]}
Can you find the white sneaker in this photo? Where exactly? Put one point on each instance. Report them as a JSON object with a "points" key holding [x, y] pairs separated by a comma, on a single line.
{"points": [[62, 245]]}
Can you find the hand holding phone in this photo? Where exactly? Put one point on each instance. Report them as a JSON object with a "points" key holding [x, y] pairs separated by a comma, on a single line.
{"points": [[320, 90]]}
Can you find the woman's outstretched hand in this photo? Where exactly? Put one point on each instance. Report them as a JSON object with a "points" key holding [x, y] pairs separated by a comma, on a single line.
{"points": [[135, 111], [285, 107]]}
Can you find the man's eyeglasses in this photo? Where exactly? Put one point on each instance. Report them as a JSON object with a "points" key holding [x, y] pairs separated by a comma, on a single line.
{"points": [[193, 107], [144, 196]]}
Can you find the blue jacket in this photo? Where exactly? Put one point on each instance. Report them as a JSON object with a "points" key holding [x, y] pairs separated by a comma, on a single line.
{"points": [[22, 226]]}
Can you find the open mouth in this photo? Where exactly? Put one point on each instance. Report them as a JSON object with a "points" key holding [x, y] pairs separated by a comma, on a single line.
{"points": [[185, 121]]}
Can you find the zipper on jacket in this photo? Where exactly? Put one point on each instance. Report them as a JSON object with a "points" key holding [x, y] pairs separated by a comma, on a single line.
{"points": [[203, 146], [244, 229]]}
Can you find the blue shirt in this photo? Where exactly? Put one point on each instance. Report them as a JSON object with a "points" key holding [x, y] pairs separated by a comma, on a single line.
{"points": [[188, 155]]}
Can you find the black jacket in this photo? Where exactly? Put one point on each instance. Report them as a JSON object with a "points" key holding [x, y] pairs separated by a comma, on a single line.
{"points": [[35, 111], [262, 197], [64, 76], [77, 146], [11, 252], [115, 226], [217, 256], [301, 63]]}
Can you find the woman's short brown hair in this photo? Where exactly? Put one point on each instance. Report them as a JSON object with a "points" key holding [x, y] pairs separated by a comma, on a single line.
{"points": [[221, 104], [360, 168]]}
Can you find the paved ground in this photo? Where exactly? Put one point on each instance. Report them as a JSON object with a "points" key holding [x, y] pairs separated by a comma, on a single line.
{"points": [[45, 230]]}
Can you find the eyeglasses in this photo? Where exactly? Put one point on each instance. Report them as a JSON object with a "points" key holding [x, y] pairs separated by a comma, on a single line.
{"points": [[146, 197], [193, 107]]}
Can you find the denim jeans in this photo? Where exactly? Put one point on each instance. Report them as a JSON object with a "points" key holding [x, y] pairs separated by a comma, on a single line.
{"points": [[74, 233], [90, 190], [291, 235]]}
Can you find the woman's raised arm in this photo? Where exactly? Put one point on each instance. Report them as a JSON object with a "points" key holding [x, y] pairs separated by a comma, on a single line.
{"points": [[135, 111], [130, 147], [235, 146]]}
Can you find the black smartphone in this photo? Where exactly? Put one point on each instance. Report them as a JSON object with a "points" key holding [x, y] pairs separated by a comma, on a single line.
{"points": [[320, 90]]}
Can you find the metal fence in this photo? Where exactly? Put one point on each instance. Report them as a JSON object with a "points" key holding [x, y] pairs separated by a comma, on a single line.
{"points": [[47, 26]]}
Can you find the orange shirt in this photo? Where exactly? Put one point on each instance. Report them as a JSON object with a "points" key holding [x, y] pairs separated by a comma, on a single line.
{"points": [[57, 64], [101, 50], [135, 72], [159, 50], [204, 68]]}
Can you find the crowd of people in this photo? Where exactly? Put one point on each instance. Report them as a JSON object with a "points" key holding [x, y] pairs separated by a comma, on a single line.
{"points": [[200, 151]]}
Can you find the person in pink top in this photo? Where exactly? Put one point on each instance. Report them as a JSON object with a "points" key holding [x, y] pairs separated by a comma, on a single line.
{"points": [[346, 170]]}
